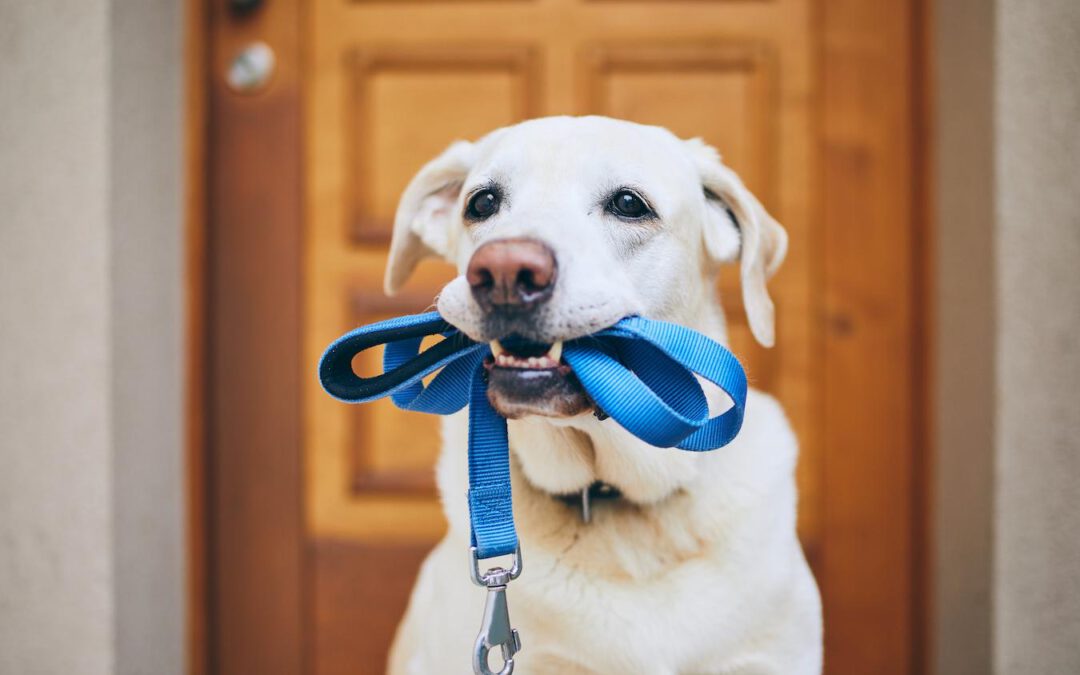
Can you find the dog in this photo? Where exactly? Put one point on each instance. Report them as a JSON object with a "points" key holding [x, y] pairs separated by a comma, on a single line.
{"points": [[560, 227]]}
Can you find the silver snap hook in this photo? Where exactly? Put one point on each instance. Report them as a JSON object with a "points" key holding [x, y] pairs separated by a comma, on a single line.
{"points": [[495, 628]]}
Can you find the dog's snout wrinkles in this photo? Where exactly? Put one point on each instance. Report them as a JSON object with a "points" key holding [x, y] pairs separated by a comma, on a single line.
{"points": [[512, 274]]}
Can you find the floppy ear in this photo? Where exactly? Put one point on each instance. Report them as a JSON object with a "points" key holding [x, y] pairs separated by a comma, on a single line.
{"points": [[423, 225], [739, 227]]}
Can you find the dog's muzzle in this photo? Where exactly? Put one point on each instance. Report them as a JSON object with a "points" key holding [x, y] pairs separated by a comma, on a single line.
{"points": [[511, 281]]}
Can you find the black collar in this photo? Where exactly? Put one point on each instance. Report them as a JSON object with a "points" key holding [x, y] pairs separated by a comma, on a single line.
{"points": [[597, 490]]}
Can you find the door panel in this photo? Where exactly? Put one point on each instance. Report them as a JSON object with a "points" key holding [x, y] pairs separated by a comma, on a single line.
{"points": [[394, 93]]}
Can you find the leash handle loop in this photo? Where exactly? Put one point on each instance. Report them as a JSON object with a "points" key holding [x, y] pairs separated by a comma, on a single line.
{"points": [[404, 365]]}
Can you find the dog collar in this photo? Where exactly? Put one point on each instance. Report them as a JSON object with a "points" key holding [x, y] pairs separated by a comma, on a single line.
{"points": [[583, 499], [639, 372]]}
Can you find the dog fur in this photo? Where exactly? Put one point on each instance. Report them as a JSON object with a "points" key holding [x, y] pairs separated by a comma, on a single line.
{"points": [[697, 569]]}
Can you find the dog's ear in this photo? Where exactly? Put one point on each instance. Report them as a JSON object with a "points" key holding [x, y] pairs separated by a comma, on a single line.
{"points": [[738, 227], [423, 225]]}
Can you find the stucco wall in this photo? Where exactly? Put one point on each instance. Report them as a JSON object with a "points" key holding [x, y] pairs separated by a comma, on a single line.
{"points": [[56, 566], [1037, 511], [1007, 553], [91, 554], [146, 293]]}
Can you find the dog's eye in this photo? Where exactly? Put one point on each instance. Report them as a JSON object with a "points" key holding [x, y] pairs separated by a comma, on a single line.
{"points": [[627, 204], [482, 205]]}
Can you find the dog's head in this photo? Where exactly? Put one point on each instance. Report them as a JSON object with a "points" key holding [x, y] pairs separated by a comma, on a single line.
{"points": [[562, 226]]}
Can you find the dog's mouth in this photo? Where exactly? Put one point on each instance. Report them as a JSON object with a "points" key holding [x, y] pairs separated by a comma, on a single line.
{"points": [[530, 378]]}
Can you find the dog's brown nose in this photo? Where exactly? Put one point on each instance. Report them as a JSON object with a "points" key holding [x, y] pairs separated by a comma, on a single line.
{"points": [[512, 274]]}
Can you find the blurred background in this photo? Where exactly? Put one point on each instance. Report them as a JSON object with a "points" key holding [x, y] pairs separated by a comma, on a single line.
{"points": [[196, 196]]}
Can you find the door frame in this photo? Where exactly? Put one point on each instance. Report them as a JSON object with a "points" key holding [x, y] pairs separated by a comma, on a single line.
{"points": [[244, 210]]}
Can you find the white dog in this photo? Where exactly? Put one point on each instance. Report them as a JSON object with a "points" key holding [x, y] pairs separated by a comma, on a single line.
{"points": [[560, 227]]}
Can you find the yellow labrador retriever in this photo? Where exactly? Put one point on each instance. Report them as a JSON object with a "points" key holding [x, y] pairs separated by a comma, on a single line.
{"points": [[688, 562]]}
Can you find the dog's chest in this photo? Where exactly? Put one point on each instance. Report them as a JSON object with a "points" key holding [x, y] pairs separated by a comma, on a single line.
{"points": [[626, 625]]}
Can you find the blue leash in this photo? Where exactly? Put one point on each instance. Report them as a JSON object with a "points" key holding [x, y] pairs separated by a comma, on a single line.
{"points": [[639, 372]]}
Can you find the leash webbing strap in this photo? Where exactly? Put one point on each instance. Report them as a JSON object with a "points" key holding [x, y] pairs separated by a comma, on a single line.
{"points": [[640, 372]]}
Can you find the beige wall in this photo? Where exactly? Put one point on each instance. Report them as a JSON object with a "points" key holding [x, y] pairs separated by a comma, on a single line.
{"points": [[1037, 510], [91, 546], [1007, 561], [146, 340], [56, 574]]}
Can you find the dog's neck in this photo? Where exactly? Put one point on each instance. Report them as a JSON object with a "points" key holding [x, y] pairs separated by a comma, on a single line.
{"points": [[663, 519]]}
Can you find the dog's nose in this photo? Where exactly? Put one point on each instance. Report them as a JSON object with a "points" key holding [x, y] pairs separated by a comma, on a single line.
{"points": [[512, 274]]}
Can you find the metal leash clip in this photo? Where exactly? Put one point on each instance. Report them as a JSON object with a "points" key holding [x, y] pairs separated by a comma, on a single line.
{"points": [[495, 629]]}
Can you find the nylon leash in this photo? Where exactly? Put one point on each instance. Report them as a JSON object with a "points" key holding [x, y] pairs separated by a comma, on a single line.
{"points": [[639, 372]]}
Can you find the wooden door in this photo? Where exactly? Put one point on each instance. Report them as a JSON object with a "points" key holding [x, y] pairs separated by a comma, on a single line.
{"points": [[320, 512]]}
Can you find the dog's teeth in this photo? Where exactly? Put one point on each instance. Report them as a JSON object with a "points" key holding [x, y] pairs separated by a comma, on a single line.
{"points": [[555, 353], [504, 358]]}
